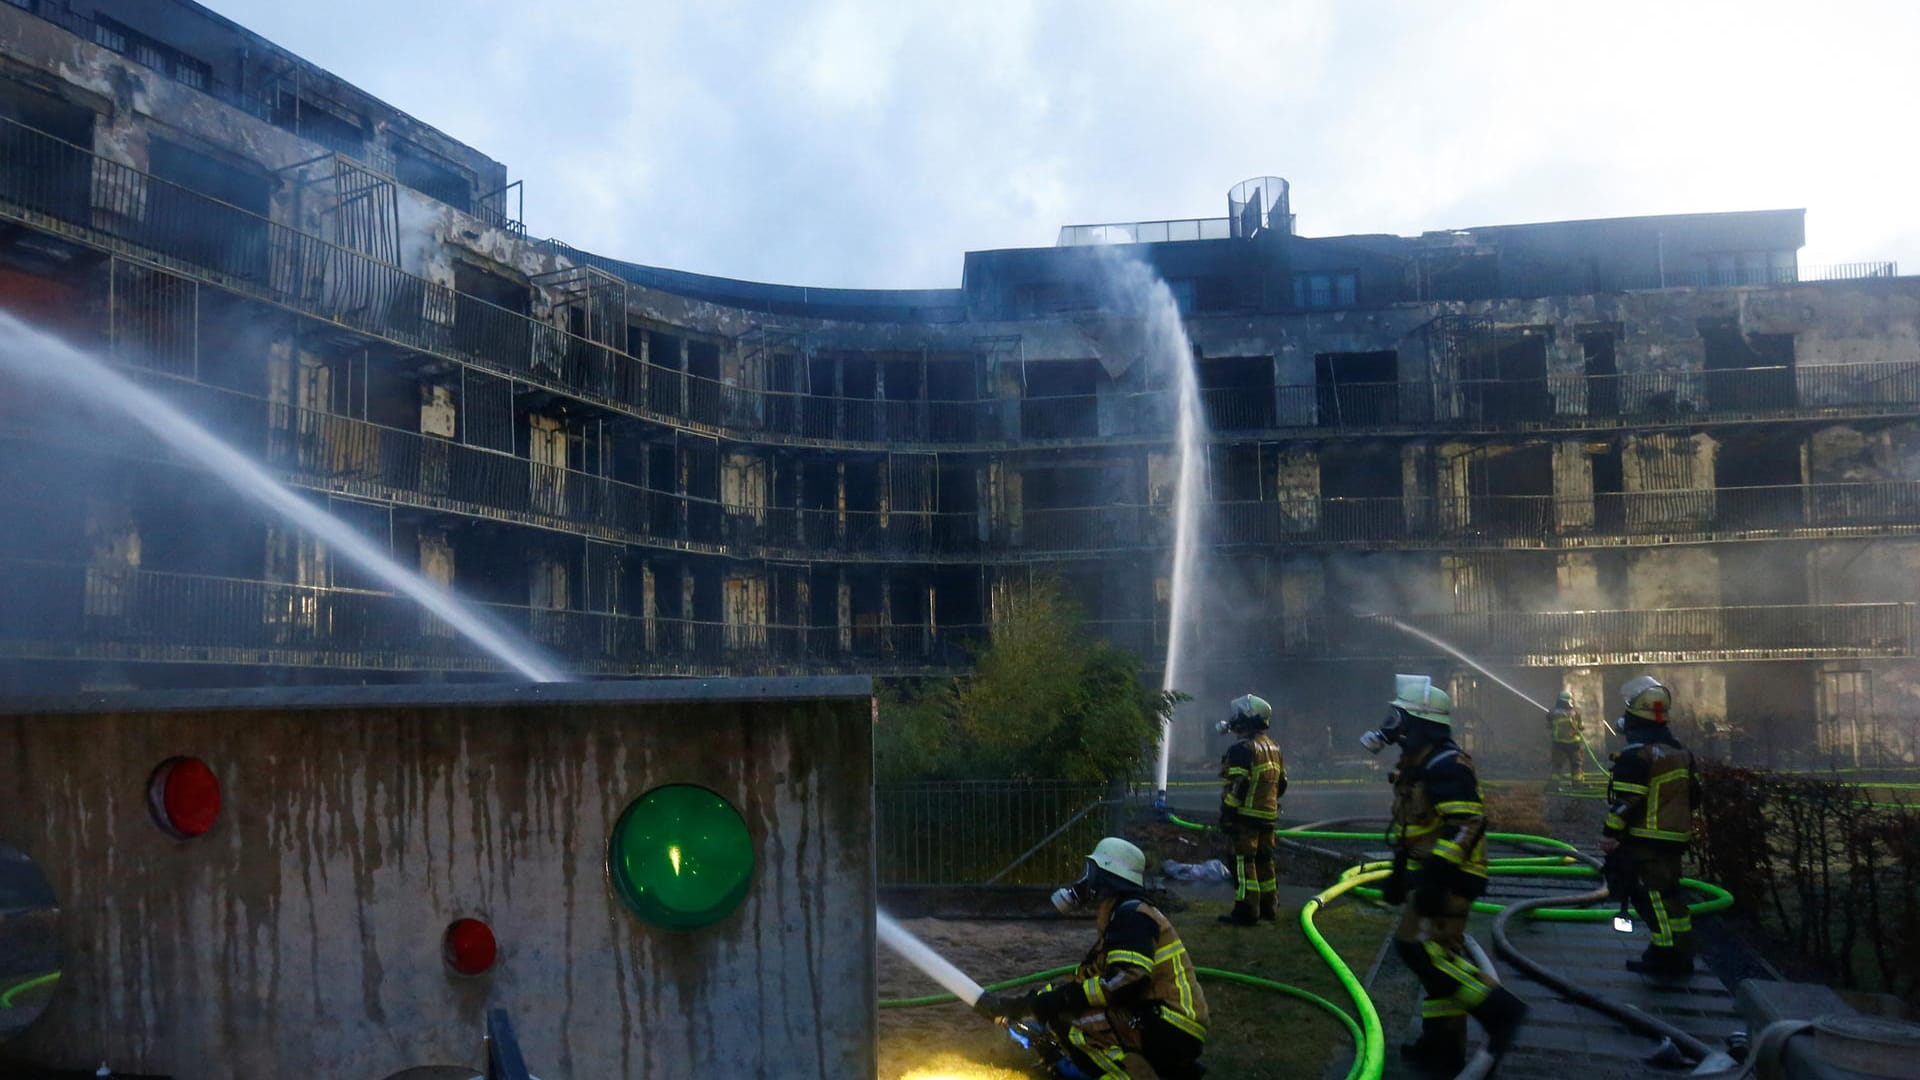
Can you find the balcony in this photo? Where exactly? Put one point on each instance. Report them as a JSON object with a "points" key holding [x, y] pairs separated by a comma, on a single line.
{"points": [[343, 456], [1570, 638], [62, 611]]}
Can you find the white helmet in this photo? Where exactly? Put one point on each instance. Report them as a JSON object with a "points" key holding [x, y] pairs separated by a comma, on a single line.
{"points": [[1121, 859], [1417, 696], [1249, 713], [1646, 698]]}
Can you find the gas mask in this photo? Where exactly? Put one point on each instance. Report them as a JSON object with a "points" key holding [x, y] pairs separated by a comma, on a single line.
{"points": [[1224, 726], [1390, 732], [1073, 897]]}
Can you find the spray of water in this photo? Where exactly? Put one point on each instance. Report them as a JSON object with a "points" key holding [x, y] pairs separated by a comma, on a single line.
{"points": [[55, 365], [914, 951], [1167, 344], [1463, 658], [1475, 665], [1134, 290]]}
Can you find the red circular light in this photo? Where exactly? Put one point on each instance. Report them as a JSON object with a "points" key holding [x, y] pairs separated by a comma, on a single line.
{"points": [[469, 947], [184, 796]]}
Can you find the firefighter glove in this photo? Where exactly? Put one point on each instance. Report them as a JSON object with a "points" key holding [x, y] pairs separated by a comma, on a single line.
{"points": [[1430, 890], [1394, 891], [1229, 818], [1004, 1004], [1048, 1004]]}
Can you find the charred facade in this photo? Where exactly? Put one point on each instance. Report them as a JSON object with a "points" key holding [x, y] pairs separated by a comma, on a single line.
{"points": [[1573, 449]]}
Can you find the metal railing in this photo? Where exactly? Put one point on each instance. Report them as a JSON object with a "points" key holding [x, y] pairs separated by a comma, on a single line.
{"points": [[57, 609], [42, 177], [64, 609], [1145, 232], [345, 456], [1765, 632], [1006, 832]]}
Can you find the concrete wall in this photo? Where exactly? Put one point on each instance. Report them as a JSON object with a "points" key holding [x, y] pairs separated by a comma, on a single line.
{"points": [[302, 935]]}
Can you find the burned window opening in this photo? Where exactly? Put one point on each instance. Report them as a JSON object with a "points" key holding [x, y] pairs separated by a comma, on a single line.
{"points": [[1357, 389]]}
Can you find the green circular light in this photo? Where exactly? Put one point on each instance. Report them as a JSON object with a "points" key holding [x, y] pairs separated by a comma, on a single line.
{"points": [[681, 857]]}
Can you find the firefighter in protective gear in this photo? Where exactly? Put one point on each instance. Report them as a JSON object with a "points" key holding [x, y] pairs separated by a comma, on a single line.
{"points": [[1439, 841], [1569, 739], [1651, 798], [1134, 1007], [1254, 776]]}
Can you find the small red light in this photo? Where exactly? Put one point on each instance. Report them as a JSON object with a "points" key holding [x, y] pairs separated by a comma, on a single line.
{"points": [[469, 947], [184, 796]]}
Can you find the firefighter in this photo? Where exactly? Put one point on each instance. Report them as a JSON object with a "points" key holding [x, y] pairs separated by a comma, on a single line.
{"points": [[1134, 1008], [1569, 739], [1651, 798], [1254, 776], [1439, 842]]}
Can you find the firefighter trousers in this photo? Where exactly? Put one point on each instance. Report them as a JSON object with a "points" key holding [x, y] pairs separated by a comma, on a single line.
{"points": [[1573, 756], [1114, 1045], [1662, 904], [1256, 876], [1434, 946]]}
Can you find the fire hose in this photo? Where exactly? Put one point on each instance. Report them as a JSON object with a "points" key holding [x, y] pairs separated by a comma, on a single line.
{"points": [[1560, 859]]}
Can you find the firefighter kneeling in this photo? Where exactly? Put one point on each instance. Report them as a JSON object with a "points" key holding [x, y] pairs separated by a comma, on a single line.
{"points": [[1134, 1009], [1439, 837], [1650, 802], [1255, 776]]}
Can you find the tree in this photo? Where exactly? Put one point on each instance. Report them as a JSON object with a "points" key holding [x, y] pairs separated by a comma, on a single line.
{"points": [[1045, 701]]}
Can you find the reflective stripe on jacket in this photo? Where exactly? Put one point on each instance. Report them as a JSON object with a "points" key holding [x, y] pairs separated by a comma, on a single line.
{"points": [[1255, 776], [1437, 810], [1111, 977], [1652, 793]]}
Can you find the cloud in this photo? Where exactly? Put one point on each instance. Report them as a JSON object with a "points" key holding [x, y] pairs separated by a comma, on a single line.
{"points": [[872, 143]]}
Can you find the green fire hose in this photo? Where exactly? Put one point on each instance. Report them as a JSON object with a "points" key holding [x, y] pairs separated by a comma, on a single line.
{"points": [[1369, 1040]]}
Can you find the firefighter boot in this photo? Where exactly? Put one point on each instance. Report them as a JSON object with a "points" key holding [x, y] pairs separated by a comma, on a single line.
{"points": [[1270, 907], [1501, 1016], [1241, 915], [1441, 1048]]}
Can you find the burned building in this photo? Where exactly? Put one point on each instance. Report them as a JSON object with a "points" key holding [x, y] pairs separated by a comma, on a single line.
{"points": [[1574, 450]]}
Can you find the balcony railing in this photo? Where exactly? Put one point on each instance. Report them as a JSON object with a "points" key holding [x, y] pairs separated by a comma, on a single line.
{"points": [[58, 610], [42, 178], [340, 455], [1558, 639]]}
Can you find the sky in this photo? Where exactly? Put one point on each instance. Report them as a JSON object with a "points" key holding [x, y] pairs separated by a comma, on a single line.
{"points": [[871, 144]]}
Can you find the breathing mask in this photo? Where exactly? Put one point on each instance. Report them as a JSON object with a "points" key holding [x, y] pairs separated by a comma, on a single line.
{"points": [[1073, 897], [1390, 732]]}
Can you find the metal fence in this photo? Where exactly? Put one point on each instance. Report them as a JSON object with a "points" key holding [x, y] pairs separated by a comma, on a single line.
{"points": [[988, 832]]}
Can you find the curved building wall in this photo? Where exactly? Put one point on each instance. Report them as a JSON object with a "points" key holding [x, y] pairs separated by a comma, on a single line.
{"points": [[1566, 463]]}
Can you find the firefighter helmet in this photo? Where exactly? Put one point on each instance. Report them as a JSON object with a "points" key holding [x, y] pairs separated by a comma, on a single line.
{"points": [[1566, 697], [1647, 698], [1121, 859], [1417, 696], [1250, 713]]}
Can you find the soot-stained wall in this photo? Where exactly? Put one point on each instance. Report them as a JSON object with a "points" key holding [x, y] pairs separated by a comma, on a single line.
{"points": [[303, 934]]}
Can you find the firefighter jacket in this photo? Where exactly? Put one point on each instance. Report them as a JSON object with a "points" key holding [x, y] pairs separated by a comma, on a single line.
{"points": [[1437, 813], [1564, 723], [1654, 789], [1255, 776], [1138, 968]]}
